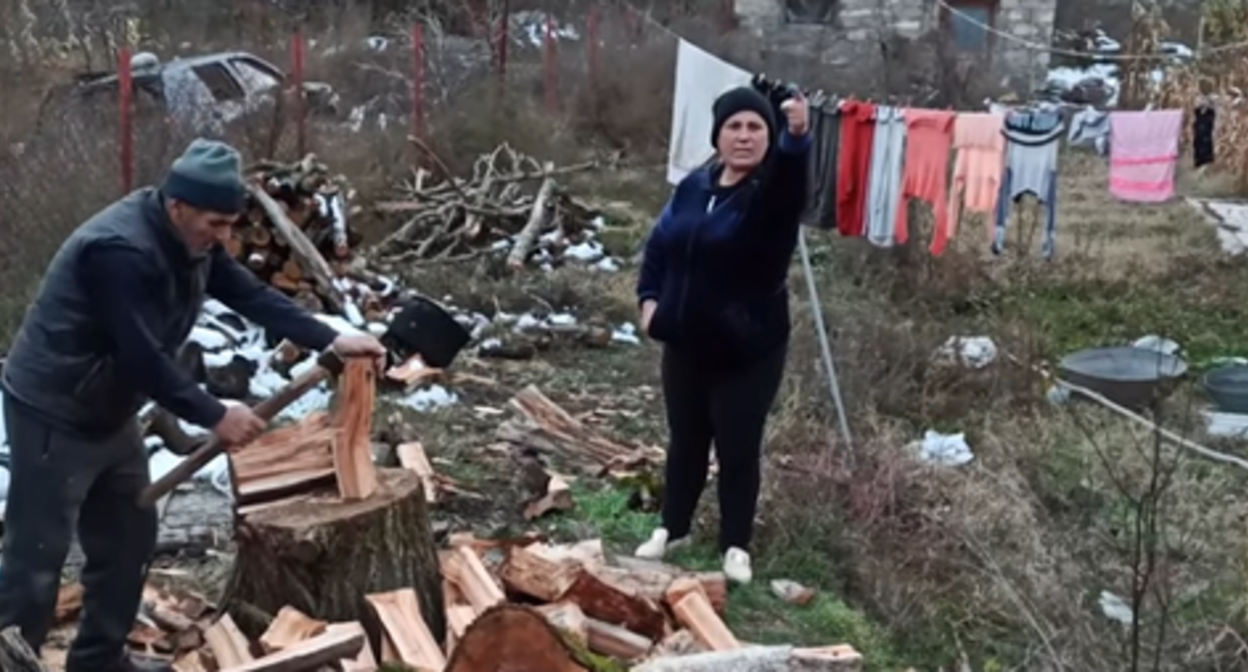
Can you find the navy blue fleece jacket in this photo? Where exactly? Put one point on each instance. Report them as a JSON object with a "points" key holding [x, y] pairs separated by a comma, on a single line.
{"points": [[718, 269]]}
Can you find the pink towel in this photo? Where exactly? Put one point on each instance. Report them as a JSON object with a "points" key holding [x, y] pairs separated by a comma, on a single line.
{"points": [[1143, 154]]}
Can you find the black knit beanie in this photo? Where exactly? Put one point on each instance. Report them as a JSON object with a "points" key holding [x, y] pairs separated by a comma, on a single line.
{"points": [[741, 99]]}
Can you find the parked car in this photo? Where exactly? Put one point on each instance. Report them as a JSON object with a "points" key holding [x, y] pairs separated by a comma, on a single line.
{"points": [[206, 91]]}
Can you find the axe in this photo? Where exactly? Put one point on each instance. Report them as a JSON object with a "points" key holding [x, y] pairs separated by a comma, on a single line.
{"points": [[328, 365], [419, 326]]}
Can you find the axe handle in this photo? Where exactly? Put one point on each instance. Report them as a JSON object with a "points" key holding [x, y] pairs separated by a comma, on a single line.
{"points": [[266, 410]]}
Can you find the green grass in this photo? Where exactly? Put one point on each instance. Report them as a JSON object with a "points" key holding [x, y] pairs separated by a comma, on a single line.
{"points": [[754, 613]]}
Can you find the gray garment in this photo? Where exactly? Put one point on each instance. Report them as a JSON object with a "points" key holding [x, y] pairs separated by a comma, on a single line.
{"points": [[888, 149], [1089, 127], [61, 363], [62, 483], [1031, 160], [825, 127]]}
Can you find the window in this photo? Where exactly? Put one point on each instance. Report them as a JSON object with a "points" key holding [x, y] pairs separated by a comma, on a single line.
{"points": [[256, 76], [219, 81], [968, 23], [811, 11]]}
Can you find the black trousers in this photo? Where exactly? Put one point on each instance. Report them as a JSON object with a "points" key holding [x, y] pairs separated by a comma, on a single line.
{"points": [[728, 410], [62, 483]]}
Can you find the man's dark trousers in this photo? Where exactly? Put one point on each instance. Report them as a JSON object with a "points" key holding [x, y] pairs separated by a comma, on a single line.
{"points": [[60, 482]]}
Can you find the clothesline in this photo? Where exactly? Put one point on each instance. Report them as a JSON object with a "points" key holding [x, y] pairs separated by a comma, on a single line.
{"points": [[871, 160]]}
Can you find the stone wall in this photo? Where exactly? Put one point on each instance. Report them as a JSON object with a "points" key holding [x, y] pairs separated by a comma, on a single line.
{"points": [[1114, 17], [853, 41]]}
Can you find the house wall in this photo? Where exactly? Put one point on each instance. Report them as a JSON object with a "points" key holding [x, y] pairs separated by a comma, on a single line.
{"points": [[853, 41], [1114, 17]]}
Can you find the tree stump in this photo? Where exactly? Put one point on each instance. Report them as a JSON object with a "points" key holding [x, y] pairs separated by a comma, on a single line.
{"points": [[322, 555], [15, 653]]}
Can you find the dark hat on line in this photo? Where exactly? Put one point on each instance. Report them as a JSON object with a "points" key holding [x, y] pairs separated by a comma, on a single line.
{"points": [[741, 99], [208, 176]]}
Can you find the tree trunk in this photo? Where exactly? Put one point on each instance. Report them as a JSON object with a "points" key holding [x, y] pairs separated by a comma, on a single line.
{"points": [[323, 555]]}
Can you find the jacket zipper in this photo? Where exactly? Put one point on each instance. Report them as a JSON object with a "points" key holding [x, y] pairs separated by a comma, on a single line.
{"points": [[693, 236]]}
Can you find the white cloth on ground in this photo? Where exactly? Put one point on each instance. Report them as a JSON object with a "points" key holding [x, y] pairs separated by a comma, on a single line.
{"points": [[700, 78], [888, 148]]}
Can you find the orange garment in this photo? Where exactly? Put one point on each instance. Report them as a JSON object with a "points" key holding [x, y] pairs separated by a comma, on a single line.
{"points": [[929, 138], [977, 171]]}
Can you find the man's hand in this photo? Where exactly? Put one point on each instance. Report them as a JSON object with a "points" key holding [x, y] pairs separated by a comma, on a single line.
{"points": [[239, 426], [361, 345], [797, 113], [647, 314]]}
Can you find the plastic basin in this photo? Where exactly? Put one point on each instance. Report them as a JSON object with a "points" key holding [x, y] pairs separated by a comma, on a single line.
{"points": [[1132, 377]]}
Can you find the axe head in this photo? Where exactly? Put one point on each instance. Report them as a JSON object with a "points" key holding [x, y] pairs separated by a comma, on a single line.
{"points": [[422, 327], [330, 362]]}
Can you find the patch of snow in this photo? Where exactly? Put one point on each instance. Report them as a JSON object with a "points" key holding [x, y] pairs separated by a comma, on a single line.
{"points": [[210, 339], [626, 333], [588, 251], [946, 450], [974, 352], [1116, 609], [339, 324], [428, 399]]}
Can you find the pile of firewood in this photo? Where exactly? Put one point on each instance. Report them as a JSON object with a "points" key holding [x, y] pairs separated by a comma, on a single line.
{"points": [[297, 219], [511, 203], [522, 605]]}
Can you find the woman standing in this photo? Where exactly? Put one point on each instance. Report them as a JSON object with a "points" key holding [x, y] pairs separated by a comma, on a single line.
{"points": [[714, 290]]}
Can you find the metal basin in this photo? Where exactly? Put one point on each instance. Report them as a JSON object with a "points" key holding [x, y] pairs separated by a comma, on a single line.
{"points": [[1133, 377], [1227, 386]]}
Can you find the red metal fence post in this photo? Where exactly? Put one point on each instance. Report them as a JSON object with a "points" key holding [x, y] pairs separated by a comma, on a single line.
{"points": [[301, 108], [418, 80], [125, 121], [552, 65]]}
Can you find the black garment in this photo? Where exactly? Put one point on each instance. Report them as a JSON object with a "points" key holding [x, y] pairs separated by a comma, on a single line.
{"points": [[729, 410], [116, 278], [62, 483], [718, 268], [825, 128], [1203, 121], [116, 303]]}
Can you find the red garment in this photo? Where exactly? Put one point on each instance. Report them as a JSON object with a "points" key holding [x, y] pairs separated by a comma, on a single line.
{"points": [[854, 167], [929, 141]]}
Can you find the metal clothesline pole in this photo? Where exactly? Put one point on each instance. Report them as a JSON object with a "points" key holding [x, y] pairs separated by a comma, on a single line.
{"points": [[825, 347]]}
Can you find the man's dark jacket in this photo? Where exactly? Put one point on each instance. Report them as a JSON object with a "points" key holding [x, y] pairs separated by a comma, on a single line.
{"points": [[117, 302]]}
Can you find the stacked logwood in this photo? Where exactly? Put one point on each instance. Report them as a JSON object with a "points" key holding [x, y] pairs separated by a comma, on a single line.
{"points": [[512, 204], [297, 220]]}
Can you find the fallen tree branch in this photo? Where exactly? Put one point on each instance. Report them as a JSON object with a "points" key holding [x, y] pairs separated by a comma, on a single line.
{"points": [[537, 221]]}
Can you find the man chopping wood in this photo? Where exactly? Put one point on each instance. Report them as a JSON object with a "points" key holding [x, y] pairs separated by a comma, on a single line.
{"points": [[118, 300]]}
